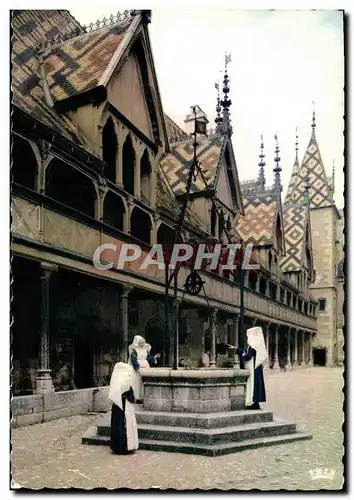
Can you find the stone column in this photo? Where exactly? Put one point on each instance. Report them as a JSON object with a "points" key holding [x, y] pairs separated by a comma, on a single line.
{"points": [[288, 354], [296, 363], [310, 363], [276, 354], [254, 323], [213, 314], [267, 344], [125, 323], [235, 339], [44, 383], [303, 363]]}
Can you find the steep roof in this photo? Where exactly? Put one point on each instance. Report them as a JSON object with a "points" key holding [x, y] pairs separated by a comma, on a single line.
{"points": [[168, 205], [296, 220], [176, 164], [78, 65], [258, 224], [174, 132], [320, 192], [31, 28]]}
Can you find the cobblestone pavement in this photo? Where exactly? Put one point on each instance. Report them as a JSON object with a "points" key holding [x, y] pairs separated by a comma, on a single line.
{"points": [[51, 454]]}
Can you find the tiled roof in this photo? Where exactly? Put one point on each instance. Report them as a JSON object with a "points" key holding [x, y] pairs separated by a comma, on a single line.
{"points": [[30, 28], [258, 224], [174, 132], [168, 204], [176, 164], [312, 166], [78, 65], [295, 225]]}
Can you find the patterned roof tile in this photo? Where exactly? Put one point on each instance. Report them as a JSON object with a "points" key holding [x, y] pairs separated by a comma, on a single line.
{"points": [[176, 164]]}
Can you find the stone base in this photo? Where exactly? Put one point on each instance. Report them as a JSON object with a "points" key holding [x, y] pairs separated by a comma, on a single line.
{"points": [[44, 383], [195, 391], [276, 366], [209, 434]]}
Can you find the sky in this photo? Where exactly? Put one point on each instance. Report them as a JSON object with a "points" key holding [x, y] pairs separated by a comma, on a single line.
{"points": [[281, 63]]}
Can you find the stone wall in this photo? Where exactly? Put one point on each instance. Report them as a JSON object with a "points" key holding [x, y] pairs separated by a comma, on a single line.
{"points": [[27, 410]]}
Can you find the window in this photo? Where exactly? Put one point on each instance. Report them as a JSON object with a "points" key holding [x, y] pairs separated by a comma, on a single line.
{"points": [[282, 293], [321, 304]]}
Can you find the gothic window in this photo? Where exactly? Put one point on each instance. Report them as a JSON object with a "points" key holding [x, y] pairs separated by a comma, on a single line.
{"points": [[282, 294], [288, 298], [24, 163], [109, 147], [140, 225], [113, 211], [221, 224], [262, 286], [145, 176], [128, 165]]}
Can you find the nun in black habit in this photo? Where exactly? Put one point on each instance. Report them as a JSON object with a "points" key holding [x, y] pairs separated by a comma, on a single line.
{"points": [[254, 356], [124, 431]]}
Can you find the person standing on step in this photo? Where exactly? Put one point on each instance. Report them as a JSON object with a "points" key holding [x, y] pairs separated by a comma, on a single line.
{"points": [[254, 356], [140, 357], [124, 431]]}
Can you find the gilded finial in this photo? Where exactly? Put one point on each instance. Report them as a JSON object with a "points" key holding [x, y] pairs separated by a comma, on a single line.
{"points": [[296, 149]]}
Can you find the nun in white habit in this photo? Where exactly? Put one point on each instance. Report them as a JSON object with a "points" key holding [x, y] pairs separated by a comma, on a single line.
{"points": [[124, 431], [140, 357], [254, 356]]}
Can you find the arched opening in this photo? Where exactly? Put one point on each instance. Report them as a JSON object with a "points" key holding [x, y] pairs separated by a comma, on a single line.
{"points": [[221, 224], [305, 308], [262, 286], [278, 233], [140, 225], [288, 298], [272, 290], [145, 178], [213, 220], [270, 259], [294, 301], [70, 187], [252, 280], [24, 163], [109, 147], [113, 211], [128, 165]]}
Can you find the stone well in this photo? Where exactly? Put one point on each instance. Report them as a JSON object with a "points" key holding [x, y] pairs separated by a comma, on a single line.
{"points": [[194, 391]]}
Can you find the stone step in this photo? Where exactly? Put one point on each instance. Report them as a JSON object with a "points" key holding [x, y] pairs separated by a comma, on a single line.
{"points": [[221, 449], [214, 436], [90, 437], [194, 420]]}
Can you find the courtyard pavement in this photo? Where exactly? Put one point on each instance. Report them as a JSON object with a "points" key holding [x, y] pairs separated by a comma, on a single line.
{"points": [[51, 454]]}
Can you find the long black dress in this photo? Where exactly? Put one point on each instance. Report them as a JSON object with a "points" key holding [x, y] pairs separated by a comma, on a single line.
{"points": [[259, 395], [118, 425], [134, 358]]}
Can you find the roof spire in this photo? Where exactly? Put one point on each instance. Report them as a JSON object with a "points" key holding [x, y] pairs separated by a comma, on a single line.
{"points": [[313, 136], [333, 175], [218, 119], [277, 168], [261, 164], [296, 164], [226, 102]]}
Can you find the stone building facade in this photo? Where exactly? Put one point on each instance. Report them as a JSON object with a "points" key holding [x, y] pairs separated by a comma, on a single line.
{"points": [[95, 160]]}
